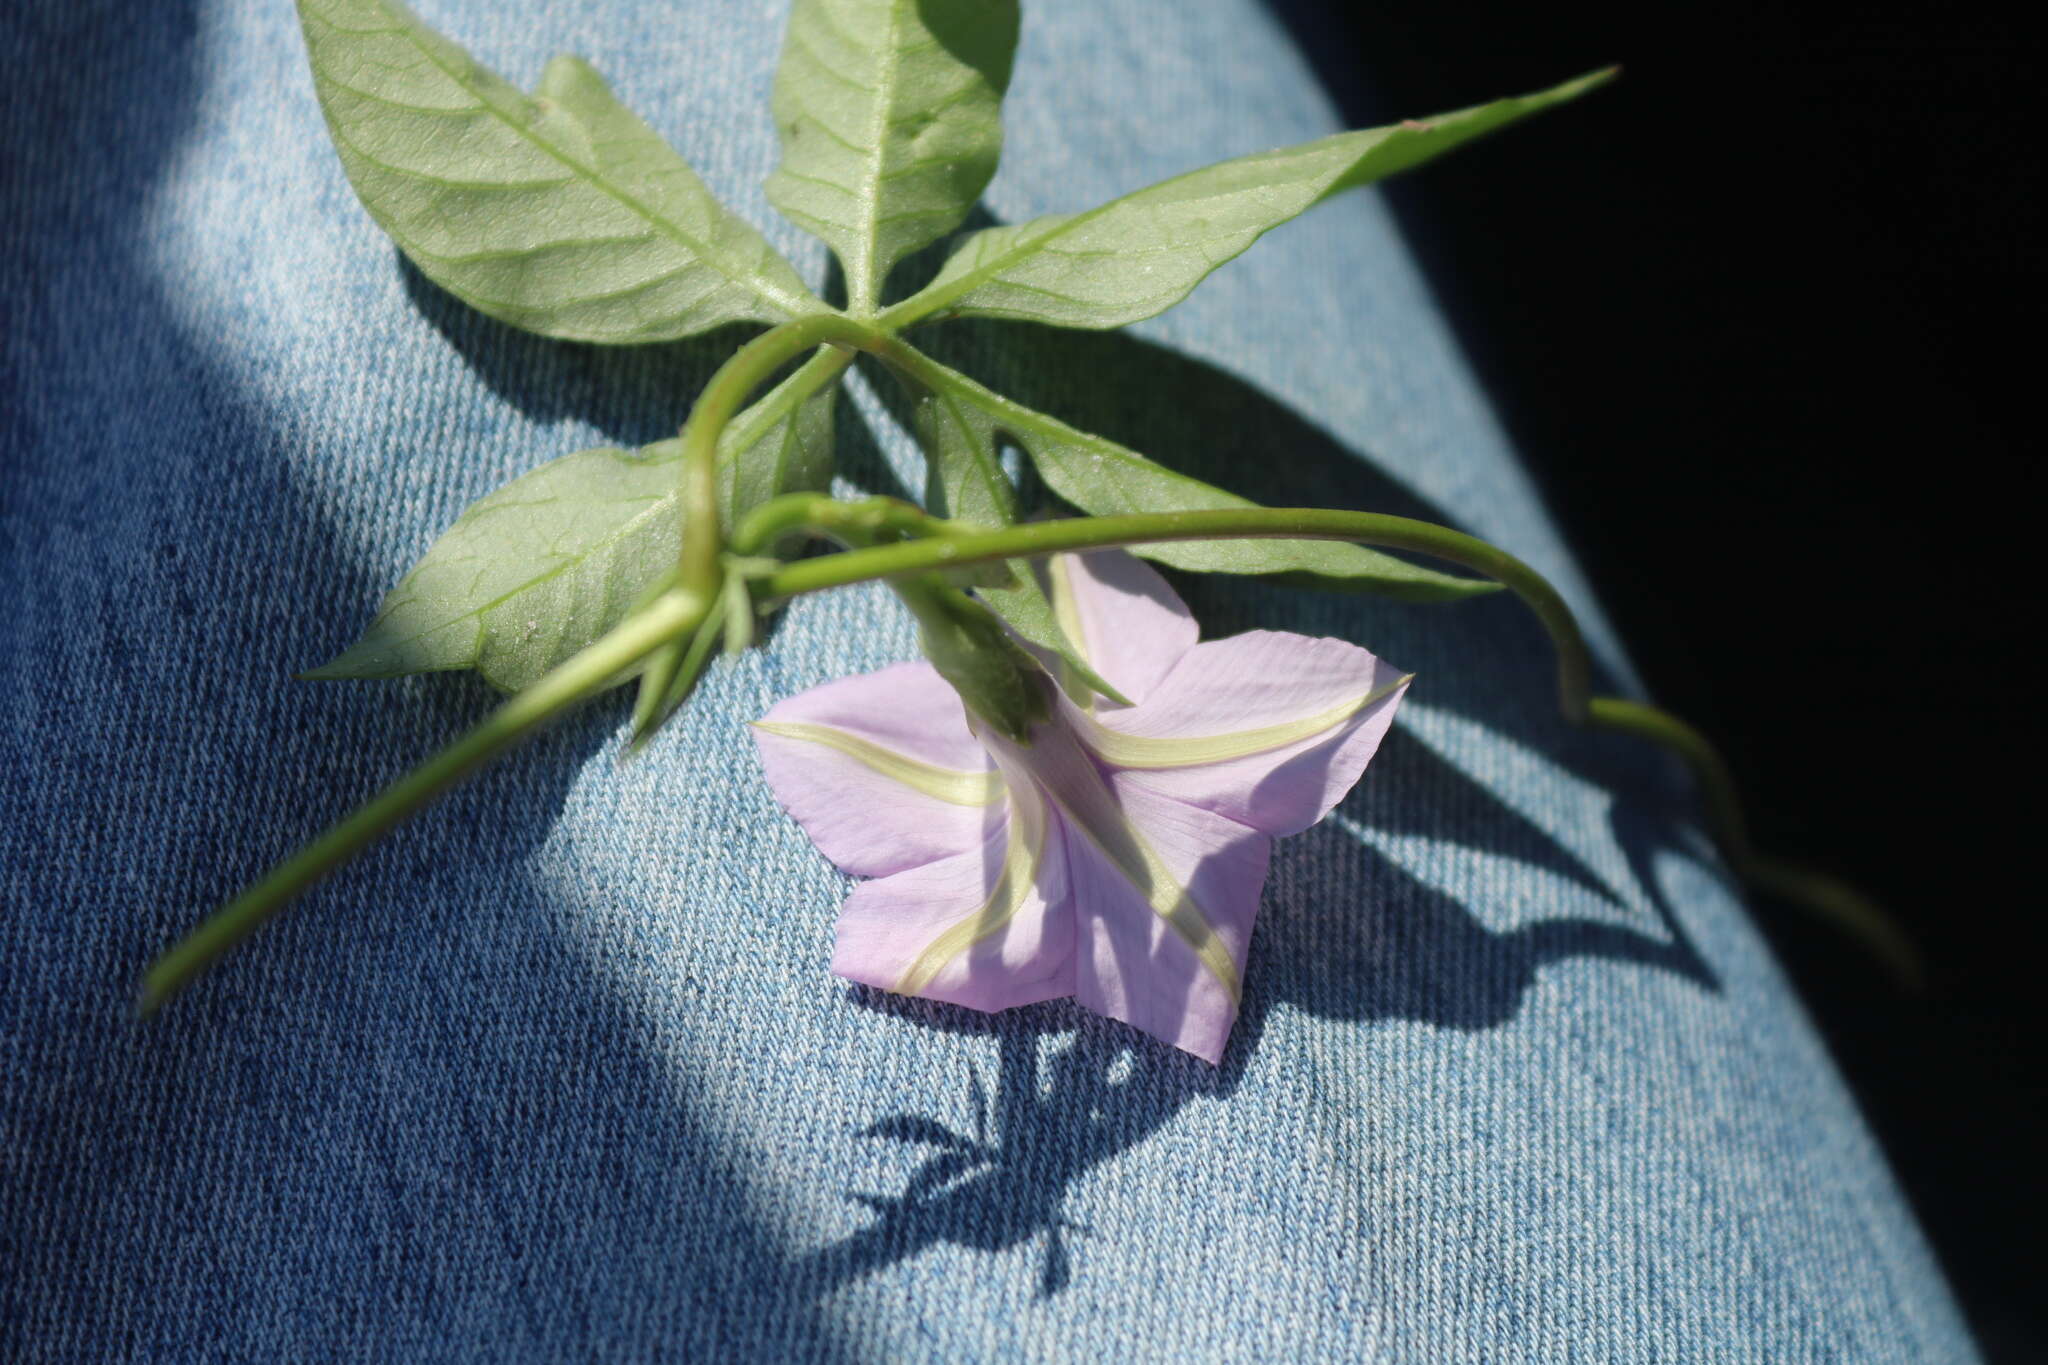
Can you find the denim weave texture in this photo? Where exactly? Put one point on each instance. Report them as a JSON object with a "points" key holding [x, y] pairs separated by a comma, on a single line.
{"points": [[558, 1072]]}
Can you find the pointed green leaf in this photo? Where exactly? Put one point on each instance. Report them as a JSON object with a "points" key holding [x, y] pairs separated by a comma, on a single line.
{"points": [[1024, 606], [793, 454], [967, 483], [1141, 254], [890, 113], [533, 572], [562, 213], [966, 478], [672, 674], [529, 574], [1103, 478]]}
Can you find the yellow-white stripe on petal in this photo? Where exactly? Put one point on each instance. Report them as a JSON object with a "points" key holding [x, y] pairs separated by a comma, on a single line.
{"points": [[951, 785], [1091, 808], [1142, 751], [1065, 609], [1067, 613], [1022, 851], [1130, 854]]}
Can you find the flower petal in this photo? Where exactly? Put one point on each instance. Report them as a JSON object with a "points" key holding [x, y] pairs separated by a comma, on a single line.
{"points": [[1163, 893], [1267, 728], [1122, 616], [1133, 958], [989, 928], [881, 771]]}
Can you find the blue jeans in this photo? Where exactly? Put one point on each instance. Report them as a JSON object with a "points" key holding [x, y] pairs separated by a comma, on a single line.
{"points": [[558, 1071]]}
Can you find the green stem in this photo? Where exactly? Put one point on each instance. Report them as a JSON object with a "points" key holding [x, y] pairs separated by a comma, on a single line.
{"points": [[1824, 895], [667, 677], [857, 525], [1827, 896], [1574, 667], [577, 679], [672, 673], [826, 364], [750, 367]]}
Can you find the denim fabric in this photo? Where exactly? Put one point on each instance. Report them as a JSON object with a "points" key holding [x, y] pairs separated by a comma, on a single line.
{"points": [[558, 1071]]}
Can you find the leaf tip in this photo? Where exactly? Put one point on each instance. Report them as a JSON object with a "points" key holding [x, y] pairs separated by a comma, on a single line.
{"points": [[360, 660], [1448, 588], [1111, 694], [1592, 80]]}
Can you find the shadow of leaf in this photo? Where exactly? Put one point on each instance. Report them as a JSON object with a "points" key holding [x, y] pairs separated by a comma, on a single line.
{"points": [[632, 395], [1413, 951]]}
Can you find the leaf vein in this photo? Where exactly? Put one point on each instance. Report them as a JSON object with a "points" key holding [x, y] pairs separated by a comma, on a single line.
{"points": [[767, 293]]}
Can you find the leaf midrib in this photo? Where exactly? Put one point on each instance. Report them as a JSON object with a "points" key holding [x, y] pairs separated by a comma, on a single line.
{"points": [[623, 529], [887, 78], [760, 289], [930, 300]]}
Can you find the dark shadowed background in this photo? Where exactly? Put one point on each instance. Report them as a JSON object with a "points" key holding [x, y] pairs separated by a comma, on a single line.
{"points": [[1764, 316]]}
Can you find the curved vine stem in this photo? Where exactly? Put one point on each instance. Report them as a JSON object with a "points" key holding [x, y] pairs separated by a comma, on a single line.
{"points": [[1827, 896], [923, 545], [750, 367], [1824, 895], [956, 551]]}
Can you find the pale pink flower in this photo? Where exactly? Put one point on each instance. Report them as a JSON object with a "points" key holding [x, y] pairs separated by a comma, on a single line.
{"points": [[1117, 857]]}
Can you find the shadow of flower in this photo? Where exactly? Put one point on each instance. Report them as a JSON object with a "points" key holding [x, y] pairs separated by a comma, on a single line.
{"points": [[1071, 1091]]}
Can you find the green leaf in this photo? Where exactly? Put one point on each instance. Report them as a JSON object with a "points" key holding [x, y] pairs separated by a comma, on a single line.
{"points": [[966, 478], [967, 483], [563, 214], [1141, 254], [535, 571], [890, 112], [793, 453], [1103, 478], [672, 674], [1022, 603]]}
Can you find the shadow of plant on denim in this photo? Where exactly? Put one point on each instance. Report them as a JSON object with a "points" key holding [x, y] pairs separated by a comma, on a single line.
{"points": [[1071, 1090], [1348, 931], [633, 395], [1053, 1113]]}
